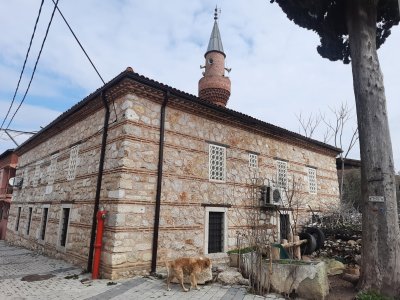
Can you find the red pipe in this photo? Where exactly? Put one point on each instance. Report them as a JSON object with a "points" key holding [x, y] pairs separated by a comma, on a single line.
{"points": [[101, 215]]}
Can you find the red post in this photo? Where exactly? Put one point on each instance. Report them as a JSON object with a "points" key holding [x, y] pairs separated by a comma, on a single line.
{"points": [[101, 215]]}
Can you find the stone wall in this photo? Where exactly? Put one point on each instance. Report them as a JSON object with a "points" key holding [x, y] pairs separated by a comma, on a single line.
{"points": [[187, 191], [39, 190], [130, 178]]}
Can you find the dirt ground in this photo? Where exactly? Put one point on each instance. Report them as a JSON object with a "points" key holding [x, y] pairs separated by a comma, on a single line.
{"points": [[340, 289]]}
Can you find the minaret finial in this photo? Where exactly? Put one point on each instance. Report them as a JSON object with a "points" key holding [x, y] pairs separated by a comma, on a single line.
{"points": [[216, 13]]}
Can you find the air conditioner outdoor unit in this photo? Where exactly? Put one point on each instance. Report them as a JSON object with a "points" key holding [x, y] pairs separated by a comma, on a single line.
{"points": [[265, 191], [16, 182]]}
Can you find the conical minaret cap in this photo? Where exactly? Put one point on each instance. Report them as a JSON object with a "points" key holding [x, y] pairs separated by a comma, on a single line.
{"points": [[215, 43]]}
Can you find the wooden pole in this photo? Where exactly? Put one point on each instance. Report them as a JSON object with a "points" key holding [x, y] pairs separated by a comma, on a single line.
{"points": [[297, 252]]}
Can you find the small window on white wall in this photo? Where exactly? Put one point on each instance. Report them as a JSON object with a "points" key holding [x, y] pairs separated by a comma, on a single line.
{"points": [[281, 174], [312, 180], [253, 160], [217, 162], [73, 162]]}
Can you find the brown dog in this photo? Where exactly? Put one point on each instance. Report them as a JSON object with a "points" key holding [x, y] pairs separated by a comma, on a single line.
{"points": [[191, 266]]}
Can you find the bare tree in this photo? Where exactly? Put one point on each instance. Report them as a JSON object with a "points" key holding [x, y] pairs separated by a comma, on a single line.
{"points": [[334, 131], [309, 124], [343, 115]]}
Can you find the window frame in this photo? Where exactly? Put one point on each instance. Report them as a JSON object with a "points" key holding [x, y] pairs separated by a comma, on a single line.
{"points": [[225, 228], [43, 223], [312, 180], [18, 219], [211, 163], [53, 168], [253, 161], [60, 227], [29, 220], [279, 183], [73, 162], [36, 175]]}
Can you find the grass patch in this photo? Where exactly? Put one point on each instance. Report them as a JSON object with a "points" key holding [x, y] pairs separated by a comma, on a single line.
{"points": [[371, 295], [241, 251], [292, 262]]}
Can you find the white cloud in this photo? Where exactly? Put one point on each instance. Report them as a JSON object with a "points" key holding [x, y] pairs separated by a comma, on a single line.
{"points": [[276, 70]]}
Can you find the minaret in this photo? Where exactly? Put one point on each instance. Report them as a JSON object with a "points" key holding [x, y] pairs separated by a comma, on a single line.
{"points": [[214, 86]]}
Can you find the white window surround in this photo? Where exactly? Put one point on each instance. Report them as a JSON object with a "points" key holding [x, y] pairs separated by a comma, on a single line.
{"points": [[253, 160], [58, 246], [225, 242], [73, 162], [217, 163], [281, 175], [312, 180], [41, 223]]}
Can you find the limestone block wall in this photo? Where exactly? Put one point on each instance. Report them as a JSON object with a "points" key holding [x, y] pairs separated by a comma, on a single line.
{"points": [[130, 179], [46, 186], [187, 193]]}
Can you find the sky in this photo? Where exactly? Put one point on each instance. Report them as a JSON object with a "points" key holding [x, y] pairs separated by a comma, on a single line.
{"points": [[276, 74]]}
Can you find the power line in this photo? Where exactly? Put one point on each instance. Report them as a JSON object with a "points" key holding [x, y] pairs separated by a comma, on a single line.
{"points": [[19, 131], [37, 60], [87, 56], [23, 67], [80, 45]]}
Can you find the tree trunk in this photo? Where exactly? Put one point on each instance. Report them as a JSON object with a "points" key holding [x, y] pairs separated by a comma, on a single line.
{"points": [[380, 264]]}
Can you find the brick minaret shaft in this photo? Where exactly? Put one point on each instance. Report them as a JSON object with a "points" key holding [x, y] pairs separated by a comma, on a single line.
{"points": [[214, 86]]}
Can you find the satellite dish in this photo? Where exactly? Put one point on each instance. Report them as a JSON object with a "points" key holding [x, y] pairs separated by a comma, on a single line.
{"points": [[15, 181]]}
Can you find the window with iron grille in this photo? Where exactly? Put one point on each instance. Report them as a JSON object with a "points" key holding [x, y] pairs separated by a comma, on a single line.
{"points": [[284, 226], [73, 162], [282, 174], [312, 180], [217, 162], [215, 232], [18, 218], [36, 175], [253, 160], [64, 226], [43, 226], [28, 227], [53, 168]]}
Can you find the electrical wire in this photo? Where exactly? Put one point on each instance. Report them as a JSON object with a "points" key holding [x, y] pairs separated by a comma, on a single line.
{"points": [[84, 51], [34, 69], [77, 40], [23, 67]]}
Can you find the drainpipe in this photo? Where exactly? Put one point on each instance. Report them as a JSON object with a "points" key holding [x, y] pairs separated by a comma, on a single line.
{"points": [[99, 179], [159, 182]]}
